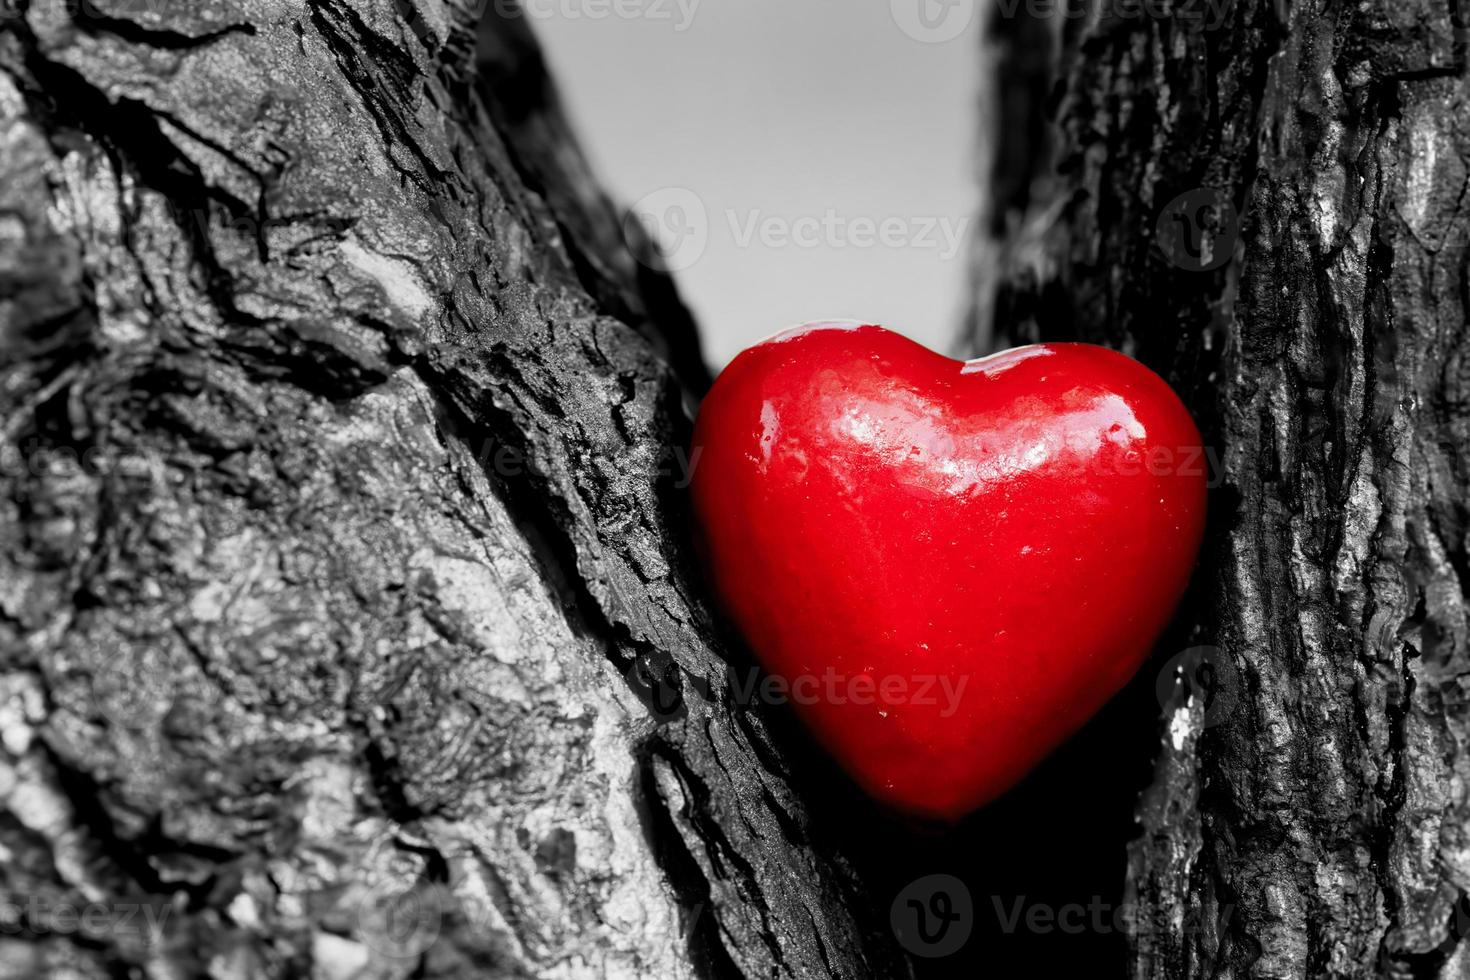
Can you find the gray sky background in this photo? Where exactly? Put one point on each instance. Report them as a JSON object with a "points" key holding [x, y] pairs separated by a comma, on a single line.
{"points": [[803, 159]]}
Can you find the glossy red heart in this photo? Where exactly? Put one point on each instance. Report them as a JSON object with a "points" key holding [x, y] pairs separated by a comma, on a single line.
{"points": [[946, 566]]}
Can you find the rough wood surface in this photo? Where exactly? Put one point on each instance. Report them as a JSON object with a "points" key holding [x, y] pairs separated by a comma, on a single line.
{"points": [[346, 625], [1320, 826]]}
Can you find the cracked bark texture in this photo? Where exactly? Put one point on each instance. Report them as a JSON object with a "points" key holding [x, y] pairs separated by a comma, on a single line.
{"points": [[346, 626], [1320, 827]]}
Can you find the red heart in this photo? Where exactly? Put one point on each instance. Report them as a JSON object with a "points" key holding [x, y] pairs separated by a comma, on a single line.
{"points": [[947, 566]]}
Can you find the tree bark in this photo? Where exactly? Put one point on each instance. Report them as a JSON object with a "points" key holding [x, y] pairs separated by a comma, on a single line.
{"points": [[347, 623], [1317, 826]]}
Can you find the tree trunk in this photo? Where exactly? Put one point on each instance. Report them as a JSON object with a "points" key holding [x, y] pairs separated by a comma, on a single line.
{"points": [[348, 627], [1308, 815]]}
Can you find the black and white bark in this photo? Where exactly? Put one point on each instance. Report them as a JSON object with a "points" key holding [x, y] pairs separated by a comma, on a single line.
{"points": [[1320, 826], [346, 622]]}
